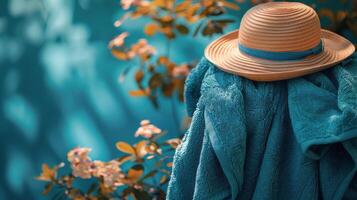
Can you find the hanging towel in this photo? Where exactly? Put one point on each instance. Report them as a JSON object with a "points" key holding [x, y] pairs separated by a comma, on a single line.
{"points": [[292, 139]]}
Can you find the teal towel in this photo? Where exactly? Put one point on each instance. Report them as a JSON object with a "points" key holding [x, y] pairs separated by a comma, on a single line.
{"points": [[294, 139]]}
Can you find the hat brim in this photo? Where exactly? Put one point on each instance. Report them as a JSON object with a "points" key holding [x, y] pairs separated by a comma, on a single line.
{"points": [[225, 54]]}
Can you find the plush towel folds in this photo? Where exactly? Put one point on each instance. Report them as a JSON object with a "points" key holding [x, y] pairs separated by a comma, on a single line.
{"points": [[294, 139]]}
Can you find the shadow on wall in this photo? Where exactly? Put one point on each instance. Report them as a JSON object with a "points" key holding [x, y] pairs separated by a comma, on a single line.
{"points": [[59, 89]]}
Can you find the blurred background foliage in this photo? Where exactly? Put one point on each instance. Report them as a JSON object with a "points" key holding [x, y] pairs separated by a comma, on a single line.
{"points": [[61, 87]]}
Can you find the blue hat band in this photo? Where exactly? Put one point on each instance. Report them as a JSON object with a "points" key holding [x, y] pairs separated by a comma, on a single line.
{"points": [[288, 55]]}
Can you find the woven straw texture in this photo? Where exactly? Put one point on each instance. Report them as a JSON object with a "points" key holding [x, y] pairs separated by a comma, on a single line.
{"points": [[278, 27]]}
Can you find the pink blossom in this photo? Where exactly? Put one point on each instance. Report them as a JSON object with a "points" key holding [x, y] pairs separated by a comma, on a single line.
{"points": [[147, 130], [110, 172], [81, 164], [83, 167], [142, 48], [174, 142], [144, 122], [119, 40], [120, 21], [126, 4], [182, 70], [131, 54]]}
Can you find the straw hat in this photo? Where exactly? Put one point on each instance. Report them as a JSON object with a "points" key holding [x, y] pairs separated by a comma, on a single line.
{"points": [[277, 41]]}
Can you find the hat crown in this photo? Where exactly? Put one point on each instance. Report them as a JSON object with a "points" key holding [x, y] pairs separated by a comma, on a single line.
{"points": [[280, 27]]}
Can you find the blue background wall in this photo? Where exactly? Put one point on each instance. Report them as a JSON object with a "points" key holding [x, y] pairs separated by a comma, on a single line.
{"points": [[59, 86]]}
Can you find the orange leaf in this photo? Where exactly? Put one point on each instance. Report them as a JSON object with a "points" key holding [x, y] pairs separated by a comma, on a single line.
{"points": [[125, 158], [119, 54], [207, 3], [168, 89], [341, 15], [174, 142], [47, 173], [182, 29], [141, 149], [137, 93], [230, 5], [166, 20], [167, 4], [151, 29], [191, 11], [181, 7], [47, 189], [163, 179], [168, 32], [163, 60], [135, 172], [125, 147], [155, 81], [139, 75], [327, 13]]}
